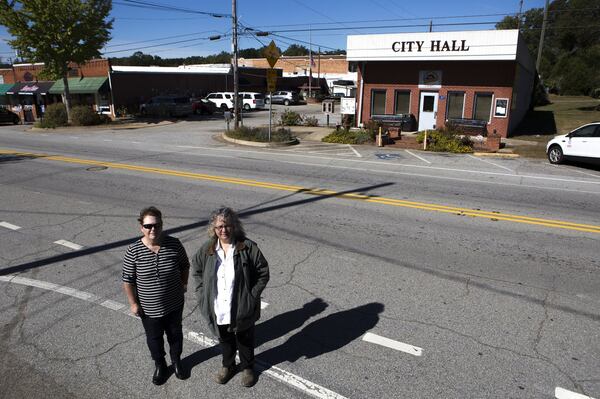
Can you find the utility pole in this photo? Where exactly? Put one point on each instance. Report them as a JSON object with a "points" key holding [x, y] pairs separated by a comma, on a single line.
{"points": [[309, 62], [236, 104], [539, 55], [520, 15]]}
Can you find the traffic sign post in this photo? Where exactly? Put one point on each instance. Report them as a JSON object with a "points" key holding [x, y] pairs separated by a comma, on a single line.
{"points": [[272, 54]]}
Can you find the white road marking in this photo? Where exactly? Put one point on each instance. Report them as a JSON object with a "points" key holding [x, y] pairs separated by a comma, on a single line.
{"points": [[561, 393], [211, 150], [9, 226], [68, 244], [417, 156], [356, 152], [491, 163], [263, 305], [136, 142], [113, 305], [306, 386], [390, 343], [584, 173], [106, 140]]}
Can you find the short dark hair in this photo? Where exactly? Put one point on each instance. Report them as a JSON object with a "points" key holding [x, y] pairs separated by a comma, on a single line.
{"points": [[152, 211]]}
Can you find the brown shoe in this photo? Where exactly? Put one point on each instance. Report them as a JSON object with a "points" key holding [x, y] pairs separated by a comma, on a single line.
{"points": [[248, 377], [224, 374]]}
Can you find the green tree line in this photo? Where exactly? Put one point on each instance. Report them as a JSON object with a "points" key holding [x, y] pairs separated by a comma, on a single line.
{"points": [[570, 63], [140, 59]]}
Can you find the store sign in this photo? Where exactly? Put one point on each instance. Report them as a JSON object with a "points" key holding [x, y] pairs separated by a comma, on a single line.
{"points": [[430, 79], [348, 105], [28, 88], [432, 46]]}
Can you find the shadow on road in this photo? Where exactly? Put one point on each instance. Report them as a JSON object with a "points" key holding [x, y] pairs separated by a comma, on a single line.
{"points": [[325, 335]]}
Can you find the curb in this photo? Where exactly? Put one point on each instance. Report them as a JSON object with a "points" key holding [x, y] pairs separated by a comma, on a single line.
{"points": [[495, 155], [259, 143]]}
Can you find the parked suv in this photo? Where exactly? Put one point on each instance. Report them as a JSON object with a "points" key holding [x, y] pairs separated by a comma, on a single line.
{"points": [[581, 144], [251, 100], [223, 100], [283, 97], [167, 106]]}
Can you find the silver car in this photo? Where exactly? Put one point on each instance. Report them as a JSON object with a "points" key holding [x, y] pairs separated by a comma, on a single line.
{"points": [[283, 97], [167, 106]]}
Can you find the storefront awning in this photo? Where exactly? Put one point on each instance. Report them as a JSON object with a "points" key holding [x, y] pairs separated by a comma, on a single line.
{"points": [[30, 88], [80, 85], [4, 87]]}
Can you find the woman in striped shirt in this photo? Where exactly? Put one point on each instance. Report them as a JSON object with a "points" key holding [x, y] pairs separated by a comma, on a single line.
{"points": [[155, 275]]}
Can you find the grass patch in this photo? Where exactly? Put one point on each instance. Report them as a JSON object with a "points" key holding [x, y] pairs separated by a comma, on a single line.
{"points": [[564, 114], [260, 134], [343, 136]]}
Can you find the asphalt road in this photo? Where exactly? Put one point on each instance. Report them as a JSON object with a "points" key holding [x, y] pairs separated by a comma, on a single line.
{"points": [[394, 274]]}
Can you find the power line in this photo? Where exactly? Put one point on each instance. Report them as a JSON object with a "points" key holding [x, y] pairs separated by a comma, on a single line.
{"points": [[162, 7], [161, 38]]}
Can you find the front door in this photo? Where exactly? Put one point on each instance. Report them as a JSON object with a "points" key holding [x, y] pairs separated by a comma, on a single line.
{"points": [[428, 110]]}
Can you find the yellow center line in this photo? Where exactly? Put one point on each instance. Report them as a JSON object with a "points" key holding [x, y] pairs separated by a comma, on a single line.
{"points": [[589, 228]]}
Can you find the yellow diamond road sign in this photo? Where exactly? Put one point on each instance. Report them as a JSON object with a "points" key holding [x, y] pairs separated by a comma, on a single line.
{"points": [[272, 54]]}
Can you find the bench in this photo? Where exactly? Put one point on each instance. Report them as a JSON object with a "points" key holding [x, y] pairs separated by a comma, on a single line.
{"points": [[398, 122], [469, 126]]}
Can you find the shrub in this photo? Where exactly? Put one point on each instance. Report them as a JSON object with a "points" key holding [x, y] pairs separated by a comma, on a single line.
{"points": [[344, 136], [446, 140], [82, 115], [260, 134], [310, 120], [54, 116], [290, 118]]}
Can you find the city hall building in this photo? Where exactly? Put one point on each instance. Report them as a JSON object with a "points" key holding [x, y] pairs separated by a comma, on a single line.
{"points": [[470, 78]]}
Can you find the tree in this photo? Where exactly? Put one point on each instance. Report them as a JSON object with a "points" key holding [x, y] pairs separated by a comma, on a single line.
{"points": [[57, 33], [295, 49]]}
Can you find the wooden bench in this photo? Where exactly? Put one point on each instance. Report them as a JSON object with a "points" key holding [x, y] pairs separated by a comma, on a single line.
{"points": [[470, 126]]}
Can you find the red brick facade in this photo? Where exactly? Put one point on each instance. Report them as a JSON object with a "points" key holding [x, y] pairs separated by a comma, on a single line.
{"points": [[301, 64], [468, 77]]}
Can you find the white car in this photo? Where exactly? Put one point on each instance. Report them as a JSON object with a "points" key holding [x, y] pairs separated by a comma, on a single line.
{"points": [[582, 144], [223, 100], [251, 100]]}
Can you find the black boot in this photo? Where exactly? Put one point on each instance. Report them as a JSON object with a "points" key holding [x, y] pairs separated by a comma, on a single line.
{"points": [[179, 370], [161, 373]]}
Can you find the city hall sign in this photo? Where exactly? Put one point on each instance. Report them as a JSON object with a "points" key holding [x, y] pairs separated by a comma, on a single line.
{"points": [[431, 46]]}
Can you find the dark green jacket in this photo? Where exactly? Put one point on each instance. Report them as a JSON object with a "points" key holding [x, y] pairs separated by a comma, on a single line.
{"points": [[251, 272]]}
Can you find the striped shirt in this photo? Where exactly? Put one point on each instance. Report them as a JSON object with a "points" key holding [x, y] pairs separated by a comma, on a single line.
{"points": [[156, 276]]}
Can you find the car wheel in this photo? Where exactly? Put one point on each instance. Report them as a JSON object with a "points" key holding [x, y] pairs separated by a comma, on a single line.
{"points": [[224, 107], [267, 101], [555, 154], [286, 102], [16, 120], [246, 107]]}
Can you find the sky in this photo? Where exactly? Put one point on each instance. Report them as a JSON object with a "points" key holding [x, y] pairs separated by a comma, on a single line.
{"points": [[314, 23]]}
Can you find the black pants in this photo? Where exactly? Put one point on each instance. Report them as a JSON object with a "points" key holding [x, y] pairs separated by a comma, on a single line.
{"points": [[242, 341], [156, 327]]}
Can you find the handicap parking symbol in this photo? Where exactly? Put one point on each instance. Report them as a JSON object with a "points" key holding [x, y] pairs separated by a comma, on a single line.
{"points": [[387, 157]]}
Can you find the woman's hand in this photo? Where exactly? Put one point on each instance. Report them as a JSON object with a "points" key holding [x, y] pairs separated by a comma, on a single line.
{"points": [[136, 309]]}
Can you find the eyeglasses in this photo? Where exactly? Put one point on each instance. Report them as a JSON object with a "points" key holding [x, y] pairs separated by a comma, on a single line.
{"points": [[223, 227], [149, 226]]}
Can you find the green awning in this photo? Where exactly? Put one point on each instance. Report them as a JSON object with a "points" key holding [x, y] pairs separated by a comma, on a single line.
{"points": [[79, 85], [4, 87]]}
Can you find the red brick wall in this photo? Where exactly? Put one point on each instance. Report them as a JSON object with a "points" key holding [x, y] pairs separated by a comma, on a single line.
{"points": [[8, 75], [92, 68], [469, 77]]}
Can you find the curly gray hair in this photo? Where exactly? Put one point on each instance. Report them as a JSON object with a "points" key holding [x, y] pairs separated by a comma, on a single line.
{"points": [[230, 217]]}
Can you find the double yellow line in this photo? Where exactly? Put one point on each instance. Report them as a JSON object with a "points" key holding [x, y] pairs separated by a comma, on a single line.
{"points": [[559, 224]]}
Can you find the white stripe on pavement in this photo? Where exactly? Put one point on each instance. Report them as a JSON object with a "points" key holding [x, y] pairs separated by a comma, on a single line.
{"points": [[68, 244], [561, 393], [491, 163], [306, 386], [356, 152], [390, 343], [417, 156], [9, 226]]}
